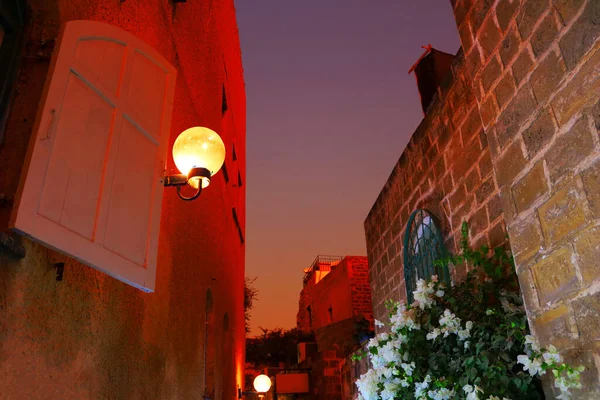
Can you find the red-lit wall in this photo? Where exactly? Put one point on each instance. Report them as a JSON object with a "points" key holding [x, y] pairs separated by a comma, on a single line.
{"points": [[91, 336], [345, 290]]}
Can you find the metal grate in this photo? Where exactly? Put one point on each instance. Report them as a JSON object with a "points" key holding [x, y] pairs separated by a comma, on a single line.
{"points": [[423, 244]]}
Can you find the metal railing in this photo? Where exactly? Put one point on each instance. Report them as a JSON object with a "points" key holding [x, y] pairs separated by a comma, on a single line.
{"points": [[321, 263]]}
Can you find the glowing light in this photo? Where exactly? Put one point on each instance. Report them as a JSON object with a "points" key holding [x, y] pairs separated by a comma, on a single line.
{"points": [[262, 383], [199, 147]]}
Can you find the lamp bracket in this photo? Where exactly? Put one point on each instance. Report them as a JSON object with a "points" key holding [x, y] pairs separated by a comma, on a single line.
{"points": [[180, 180]]}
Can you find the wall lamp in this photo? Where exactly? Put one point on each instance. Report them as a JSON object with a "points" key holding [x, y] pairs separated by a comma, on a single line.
{"points": [[198, 153], [262, 384]]}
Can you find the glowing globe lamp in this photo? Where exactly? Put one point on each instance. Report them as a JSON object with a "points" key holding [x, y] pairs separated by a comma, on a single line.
{"points": [[262, 383], [198, 147]]}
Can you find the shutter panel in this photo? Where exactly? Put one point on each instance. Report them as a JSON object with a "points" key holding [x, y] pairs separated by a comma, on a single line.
{"points": [[94, 173]]}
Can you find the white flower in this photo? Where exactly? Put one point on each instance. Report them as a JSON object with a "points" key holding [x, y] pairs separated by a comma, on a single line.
{"points": [[449, 323], [472, 392], [533, 366], [530, 340], [489, 312], [408, 368], [379, 324], [433, 334], [383, 337], [373, 342], [469, 325], [403, 318], [439, 293], [368, 384], [423, 294], [441, 394], [420, 387], [467, 343], [552, 355], [464, 334], [434, 278]]}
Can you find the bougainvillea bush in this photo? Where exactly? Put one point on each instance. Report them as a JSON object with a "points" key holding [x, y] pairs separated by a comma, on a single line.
{"points": [[470, 341]]}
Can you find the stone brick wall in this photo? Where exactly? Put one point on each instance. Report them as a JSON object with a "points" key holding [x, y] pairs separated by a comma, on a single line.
{"points": [[523, 97], [535, 67], [345, 290], [446, 168]]}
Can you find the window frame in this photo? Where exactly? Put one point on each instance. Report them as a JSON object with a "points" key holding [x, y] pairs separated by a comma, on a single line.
{"points": [[410, 275], [13, 17]]}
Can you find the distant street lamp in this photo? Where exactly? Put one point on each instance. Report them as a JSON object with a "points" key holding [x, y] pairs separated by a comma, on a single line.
{"points": [[262, 384], [198, 153]]}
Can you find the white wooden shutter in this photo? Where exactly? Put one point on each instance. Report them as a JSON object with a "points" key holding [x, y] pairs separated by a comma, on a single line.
{"points": [[93, 182]]}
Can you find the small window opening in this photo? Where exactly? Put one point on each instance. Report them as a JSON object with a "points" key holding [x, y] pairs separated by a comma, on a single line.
{"points": [[225, 173], [330, 310], [224, 101], [233, 153], [237, 224], [239, 179], [309, 315]]}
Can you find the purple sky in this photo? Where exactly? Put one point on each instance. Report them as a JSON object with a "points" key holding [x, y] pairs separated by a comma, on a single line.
{"points": [[330, 108]]}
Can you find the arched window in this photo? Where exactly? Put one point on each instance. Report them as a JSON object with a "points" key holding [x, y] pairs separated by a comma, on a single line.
{"points": [[423, 244]]}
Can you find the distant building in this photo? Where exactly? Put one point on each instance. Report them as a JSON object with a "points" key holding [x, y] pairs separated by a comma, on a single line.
{"points": [[335, 304]]}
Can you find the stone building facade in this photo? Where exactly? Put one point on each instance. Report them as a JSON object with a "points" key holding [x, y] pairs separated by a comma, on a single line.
{"points": [[89, 335], [335, 305], [510, 143]]}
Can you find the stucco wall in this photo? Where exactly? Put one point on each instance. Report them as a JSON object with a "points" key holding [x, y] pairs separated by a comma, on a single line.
{"points": [[91, 336]]}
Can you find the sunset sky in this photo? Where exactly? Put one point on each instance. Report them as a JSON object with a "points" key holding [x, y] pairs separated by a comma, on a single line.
{"points": [[330, 108]]}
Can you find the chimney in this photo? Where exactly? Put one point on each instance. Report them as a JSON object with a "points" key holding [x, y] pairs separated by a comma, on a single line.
{"points": [[430, 70]]}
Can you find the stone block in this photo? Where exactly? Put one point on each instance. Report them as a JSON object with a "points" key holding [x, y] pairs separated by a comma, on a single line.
{"points": [[497, 234], [466, 37], [587, 316], [562, 214], [582, 35], [525, 240], [591, 185], [552, 327], [505, 89], [547, 77], [587, 247], [522, 65], [457, 198], [490, 73], [530, 188], [510, 46], [569, 150], [510, 164], [539, 133], [472, 180], [479, 12], [508, 205], [465, 160], [489, 37], [554, 276], [485, 164], [529, 15], [505, 11], [471, 126], [488, 111], [478, 222], [581, 90], [473, 62], [527, 290], [567, 8], [514, 116], [485, 190], [544, 35], [494, 207]]}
